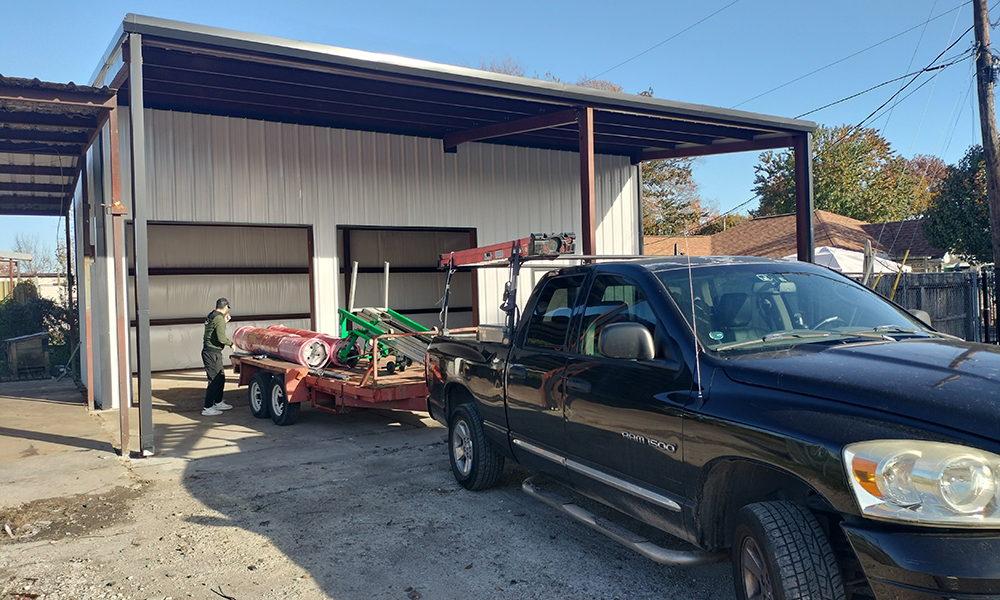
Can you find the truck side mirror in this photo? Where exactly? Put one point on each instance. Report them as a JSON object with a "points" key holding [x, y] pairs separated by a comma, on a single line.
{"points": [[631, 341], [923, 316]]}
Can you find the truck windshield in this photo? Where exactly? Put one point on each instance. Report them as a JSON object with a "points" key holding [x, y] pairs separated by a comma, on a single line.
{"points": [[747, 307]]}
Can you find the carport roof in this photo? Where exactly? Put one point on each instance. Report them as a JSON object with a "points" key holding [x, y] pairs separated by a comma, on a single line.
{"points": [[44, 130], [202, 69]]}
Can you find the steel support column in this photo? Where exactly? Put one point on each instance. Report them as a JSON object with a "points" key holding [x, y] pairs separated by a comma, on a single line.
{"points": [[588, 206], [805, 242], [140, 243], [84, 293], [121, 284]]}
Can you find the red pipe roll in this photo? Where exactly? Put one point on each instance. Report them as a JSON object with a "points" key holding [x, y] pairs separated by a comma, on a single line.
{"points": [[335, 344], [308, 352]]}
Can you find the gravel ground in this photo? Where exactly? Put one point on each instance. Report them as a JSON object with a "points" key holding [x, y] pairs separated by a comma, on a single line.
{"points": [[350, 506]]}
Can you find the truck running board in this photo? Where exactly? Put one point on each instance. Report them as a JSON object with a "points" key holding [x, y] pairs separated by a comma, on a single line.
{"points": [[674, 558]]}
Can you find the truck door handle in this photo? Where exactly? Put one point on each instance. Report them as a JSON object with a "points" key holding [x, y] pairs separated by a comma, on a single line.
{"points": [[580, 386], [517, 372]]}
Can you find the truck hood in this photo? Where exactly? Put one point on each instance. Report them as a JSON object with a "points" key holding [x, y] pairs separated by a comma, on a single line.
{"points": [[952, 383]]}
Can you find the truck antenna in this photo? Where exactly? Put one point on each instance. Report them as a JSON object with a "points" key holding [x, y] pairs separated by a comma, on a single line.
{"points": [[694, 319]]}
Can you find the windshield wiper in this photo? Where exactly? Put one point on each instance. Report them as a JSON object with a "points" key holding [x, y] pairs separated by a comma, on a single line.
{"points": [[898, 329], [774, 337]]}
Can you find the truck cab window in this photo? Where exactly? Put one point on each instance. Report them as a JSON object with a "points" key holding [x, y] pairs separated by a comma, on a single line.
{"points": [[612, 299], [551, 315]]}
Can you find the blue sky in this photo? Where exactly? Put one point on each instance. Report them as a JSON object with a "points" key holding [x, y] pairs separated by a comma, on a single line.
{"points": [[732, 59]]}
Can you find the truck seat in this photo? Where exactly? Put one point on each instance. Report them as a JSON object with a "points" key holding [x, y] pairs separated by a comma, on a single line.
{"points": [[734, 316]]}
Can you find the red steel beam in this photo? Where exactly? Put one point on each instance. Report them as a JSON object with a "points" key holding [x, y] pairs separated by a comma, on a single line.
{"points": [[785, 141], [588, 193], [556, 119]]}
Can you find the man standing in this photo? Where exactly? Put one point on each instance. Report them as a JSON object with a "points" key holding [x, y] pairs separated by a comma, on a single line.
{"points": [[211, 354]]}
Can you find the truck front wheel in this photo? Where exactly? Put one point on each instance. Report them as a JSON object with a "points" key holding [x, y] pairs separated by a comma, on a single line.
{"points": [[780, 552], [475, 464]]}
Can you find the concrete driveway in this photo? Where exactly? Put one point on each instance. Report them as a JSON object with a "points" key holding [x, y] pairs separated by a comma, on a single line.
{"points": [[361, 505]]}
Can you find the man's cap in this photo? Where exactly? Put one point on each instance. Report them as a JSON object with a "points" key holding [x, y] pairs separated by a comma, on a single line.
{"points": [[221, 303]]}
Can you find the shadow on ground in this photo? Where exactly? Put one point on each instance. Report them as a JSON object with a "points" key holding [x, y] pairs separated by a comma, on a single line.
{"points": [[364, 505]]}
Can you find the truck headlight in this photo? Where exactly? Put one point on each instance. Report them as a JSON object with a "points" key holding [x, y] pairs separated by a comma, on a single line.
{"points": [[929, 483]]}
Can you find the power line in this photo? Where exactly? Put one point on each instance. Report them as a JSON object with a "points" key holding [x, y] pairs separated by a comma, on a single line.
{"points": [[964, 56], [862, 51], [682, 31]]}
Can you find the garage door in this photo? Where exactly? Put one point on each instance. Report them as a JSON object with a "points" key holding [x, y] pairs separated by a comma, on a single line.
{"points": [[265, 272], [415, 283]]}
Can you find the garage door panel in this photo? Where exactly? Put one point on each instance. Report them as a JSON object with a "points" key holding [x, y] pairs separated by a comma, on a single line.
{"points": [[190, 296], [223, 246], [404, 248], [412, 290], [176, 347]]}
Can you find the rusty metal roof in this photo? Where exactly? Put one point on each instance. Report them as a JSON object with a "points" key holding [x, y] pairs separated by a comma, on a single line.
{"points": [[44, 129]]}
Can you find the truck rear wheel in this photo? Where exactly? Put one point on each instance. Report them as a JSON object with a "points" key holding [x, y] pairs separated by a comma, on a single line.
{"points": [[283, 412], [475, 464], [780, 552], [257, 389]]}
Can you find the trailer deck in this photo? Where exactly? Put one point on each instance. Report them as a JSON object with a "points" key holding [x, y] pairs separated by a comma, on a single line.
{"points": [[278, 388]]}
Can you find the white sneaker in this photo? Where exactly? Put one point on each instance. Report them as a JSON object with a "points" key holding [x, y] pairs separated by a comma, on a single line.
{"points": [[222, 405], [211, 411]]}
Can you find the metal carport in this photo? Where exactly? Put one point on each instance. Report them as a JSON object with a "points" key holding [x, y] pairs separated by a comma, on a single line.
{"points": [[168, 65]]}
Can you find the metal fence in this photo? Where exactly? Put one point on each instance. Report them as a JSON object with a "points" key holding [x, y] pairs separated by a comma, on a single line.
{"points": [[954, 301]]}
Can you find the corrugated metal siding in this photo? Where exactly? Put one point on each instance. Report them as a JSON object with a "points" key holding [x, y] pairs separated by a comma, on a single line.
{"points": [[216, 169]]}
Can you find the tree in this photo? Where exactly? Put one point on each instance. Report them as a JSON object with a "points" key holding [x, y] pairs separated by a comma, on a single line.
{"points": [[42, 261], [929, 173], [855, 173], [670, 201], [717, 224], [959, 215], [506, 65]]}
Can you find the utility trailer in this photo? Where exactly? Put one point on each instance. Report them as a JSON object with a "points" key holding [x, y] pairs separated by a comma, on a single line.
{"points": [[278, 388]]}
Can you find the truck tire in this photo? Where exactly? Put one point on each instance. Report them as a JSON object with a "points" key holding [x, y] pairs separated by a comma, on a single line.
{"points": [[257, 389], [475, 464], [282, 411], [780, 552]]}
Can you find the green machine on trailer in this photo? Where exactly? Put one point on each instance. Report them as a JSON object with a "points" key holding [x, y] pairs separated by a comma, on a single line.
{"points": [[367, 325]]}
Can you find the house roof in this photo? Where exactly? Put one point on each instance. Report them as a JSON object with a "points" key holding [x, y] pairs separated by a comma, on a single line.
{"points": [[44, 129], [208, 70], [899, 236], [772, 236]]}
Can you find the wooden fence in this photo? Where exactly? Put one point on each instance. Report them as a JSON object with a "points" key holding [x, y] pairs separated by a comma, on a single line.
{"points": [[953, 300]]}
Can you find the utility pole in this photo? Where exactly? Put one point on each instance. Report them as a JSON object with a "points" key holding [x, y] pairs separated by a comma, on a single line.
{"points": [[988, 123]]}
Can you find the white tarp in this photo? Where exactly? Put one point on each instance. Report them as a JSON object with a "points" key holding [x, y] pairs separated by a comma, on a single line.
{"points": [[850, 262]]}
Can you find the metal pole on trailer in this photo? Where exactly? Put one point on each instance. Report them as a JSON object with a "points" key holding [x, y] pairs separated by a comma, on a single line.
{"points": [[354, 287], [385, 304]]}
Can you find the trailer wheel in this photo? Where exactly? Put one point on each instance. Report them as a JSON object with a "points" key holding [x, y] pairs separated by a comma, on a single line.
{"points": [[780, 551], [390, 368], [475, 464], [257, 390], [283, 412]]}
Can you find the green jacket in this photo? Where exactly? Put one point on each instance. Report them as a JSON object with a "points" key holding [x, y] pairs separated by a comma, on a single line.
{"points": [[215, 331]]}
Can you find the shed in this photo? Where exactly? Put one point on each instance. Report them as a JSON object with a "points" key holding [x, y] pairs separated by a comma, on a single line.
{"points": [[28, 356], [269, 165]]}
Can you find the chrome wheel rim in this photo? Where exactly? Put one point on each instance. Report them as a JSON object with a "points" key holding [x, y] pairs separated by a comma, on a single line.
{"points": [[756, 581], [277, 398], [461, 447], [256, 397]]}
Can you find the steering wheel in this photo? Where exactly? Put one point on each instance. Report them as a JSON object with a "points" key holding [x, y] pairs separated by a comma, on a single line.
{"points": [[828, 320]]}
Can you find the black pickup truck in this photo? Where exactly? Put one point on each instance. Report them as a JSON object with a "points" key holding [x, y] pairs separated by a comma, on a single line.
{"points": [[834, 444]]}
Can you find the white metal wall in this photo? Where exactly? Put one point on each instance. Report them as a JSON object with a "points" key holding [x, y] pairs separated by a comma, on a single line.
{"points": [[217, 169]]}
